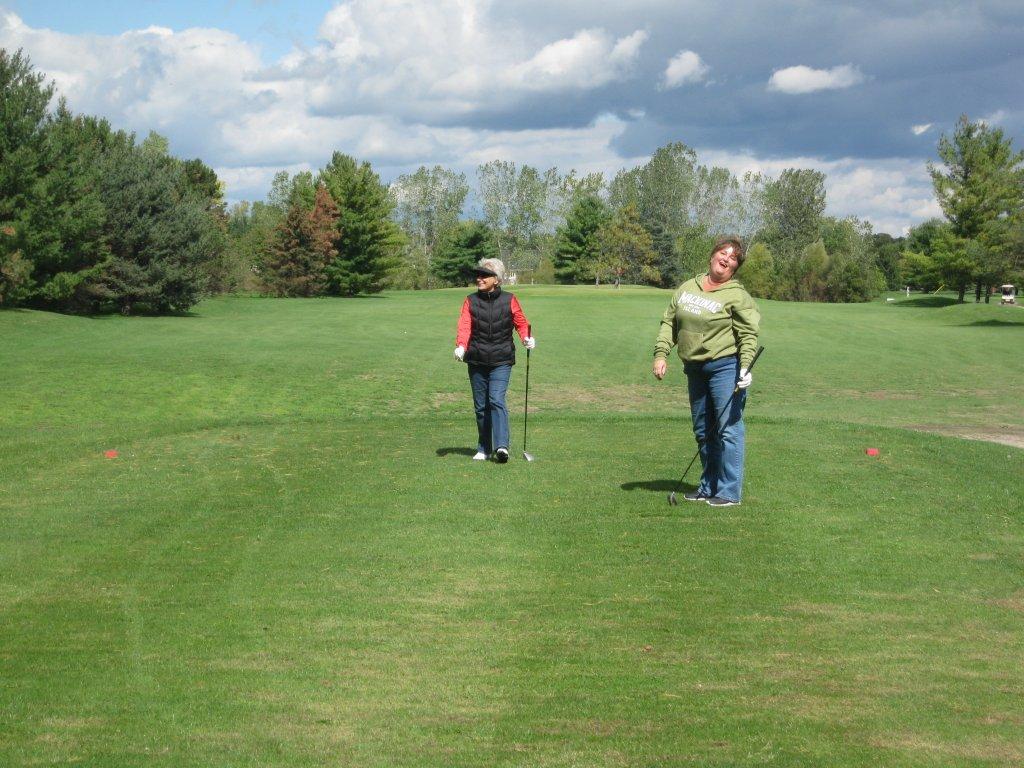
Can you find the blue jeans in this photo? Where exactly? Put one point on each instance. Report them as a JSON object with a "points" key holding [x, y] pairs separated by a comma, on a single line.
{"points": [[719, 435], [489, 387]]}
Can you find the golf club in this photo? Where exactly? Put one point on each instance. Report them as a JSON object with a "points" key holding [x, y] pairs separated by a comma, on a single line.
{"points": [[526, 406], [718, 421]]}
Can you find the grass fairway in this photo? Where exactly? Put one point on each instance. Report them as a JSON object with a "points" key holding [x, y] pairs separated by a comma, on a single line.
{"points": [[293, 561]]}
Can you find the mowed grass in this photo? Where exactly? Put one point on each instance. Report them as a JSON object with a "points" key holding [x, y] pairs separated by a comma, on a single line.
{"points": [[292, 561]]}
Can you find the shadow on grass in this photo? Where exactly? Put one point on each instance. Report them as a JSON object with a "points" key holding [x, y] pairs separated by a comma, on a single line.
{"points": [[996, 323], [140, 313], [926, 302], [456, 451], [99, 315], [657, 486]]}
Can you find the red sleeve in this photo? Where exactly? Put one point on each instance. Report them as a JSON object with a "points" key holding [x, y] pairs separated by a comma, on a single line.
{"points": [[522, 325], [465, 329]]}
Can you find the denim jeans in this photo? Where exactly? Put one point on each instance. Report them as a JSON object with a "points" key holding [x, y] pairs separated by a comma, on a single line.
{"points": [[719, 435], [489, 387]]}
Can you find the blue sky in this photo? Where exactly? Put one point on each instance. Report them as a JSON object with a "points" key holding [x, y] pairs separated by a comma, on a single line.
{"points": [[860, 91], [274, 25]]}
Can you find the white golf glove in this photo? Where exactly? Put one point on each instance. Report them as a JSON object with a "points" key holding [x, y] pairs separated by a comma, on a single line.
{"points": [[460, 352], [529, 342], [746, 377]]}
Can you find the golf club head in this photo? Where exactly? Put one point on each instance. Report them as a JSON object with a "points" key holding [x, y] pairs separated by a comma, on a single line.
{"points": [[527, 456], [672, 499]]}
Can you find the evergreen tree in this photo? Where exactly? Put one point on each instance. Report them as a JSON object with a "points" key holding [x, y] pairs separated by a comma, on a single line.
{"points": [[577, 240], [980, 187], [159, 240], [368, 241], [24, 98], [14, 270], [461, 250], [302, 247], [68, 217]]}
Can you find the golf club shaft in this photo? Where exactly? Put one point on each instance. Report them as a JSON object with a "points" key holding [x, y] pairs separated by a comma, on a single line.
{"points": [[526, 405], [718, 422]]}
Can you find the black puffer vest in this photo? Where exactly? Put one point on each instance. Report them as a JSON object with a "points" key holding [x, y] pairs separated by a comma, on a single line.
{"points": [[490, 342]]}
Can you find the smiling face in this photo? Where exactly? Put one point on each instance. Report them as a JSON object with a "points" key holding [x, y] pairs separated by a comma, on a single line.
{"points": [[723, 263], [486, 283]]}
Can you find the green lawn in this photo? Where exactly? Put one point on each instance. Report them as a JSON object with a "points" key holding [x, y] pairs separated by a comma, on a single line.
{"points": [[293, 561]]}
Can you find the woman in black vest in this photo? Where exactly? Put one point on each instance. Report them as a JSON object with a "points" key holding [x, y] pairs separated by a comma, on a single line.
{"points": [[484, 342]]}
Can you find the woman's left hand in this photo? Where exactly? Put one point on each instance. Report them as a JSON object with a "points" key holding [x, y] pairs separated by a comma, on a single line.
{"points": [[529, 342], [745, 379]]}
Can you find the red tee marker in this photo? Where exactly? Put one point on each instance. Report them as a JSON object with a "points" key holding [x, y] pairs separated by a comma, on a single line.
{"points": [[110, 454], [871, 451]]}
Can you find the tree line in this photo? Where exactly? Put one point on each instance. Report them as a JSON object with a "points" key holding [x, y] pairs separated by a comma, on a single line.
{"points": [[650, 225], [94, 220]]}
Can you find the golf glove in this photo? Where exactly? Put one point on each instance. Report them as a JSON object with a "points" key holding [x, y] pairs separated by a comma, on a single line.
{"points": [[529, 342], [460, 352], [746, 377]]}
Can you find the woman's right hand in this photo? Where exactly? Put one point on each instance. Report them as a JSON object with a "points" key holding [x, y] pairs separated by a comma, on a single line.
{"points": [[460, 353], [660, 367]]}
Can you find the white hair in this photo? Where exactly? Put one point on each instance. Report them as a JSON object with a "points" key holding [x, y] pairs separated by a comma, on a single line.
{"points": [[495, 266]]}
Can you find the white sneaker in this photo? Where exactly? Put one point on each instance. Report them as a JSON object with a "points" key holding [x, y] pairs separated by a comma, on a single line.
{"points": [[479, 456]]}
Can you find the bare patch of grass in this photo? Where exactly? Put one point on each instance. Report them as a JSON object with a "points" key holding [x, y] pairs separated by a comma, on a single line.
{"points": [[1014, 603], [616, 399], [996, 433], [989, 749]]}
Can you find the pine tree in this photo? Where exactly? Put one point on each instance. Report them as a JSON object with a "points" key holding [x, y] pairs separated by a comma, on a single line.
{"points": [[577, 240], [302, 247], [368, 241], [68, 217], [25, 97], [981, 190], [460, 251], [159, 239]]}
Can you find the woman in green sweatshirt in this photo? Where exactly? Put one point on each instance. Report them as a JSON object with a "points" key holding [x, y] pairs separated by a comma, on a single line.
{"points": [[714, 323]]}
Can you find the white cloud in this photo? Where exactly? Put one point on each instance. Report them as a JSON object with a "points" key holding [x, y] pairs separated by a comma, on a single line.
{"points": [[996, 118], [684, 67], [801, 79], [447, 58], [146, 79], [387, 83], [920, 129], [587, 60]]}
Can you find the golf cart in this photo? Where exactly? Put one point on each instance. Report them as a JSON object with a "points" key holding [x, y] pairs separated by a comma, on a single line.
{"points": [[1009, 294]]}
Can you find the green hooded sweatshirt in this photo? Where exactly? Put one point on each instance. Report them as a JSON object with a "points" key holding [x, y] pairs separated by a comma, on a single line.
{"points": [[708, 325]]}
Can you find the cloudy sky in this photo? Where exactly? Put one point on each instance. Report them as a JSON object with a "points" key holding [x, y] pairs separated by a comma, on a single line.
{"points": [[860, 91]]}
